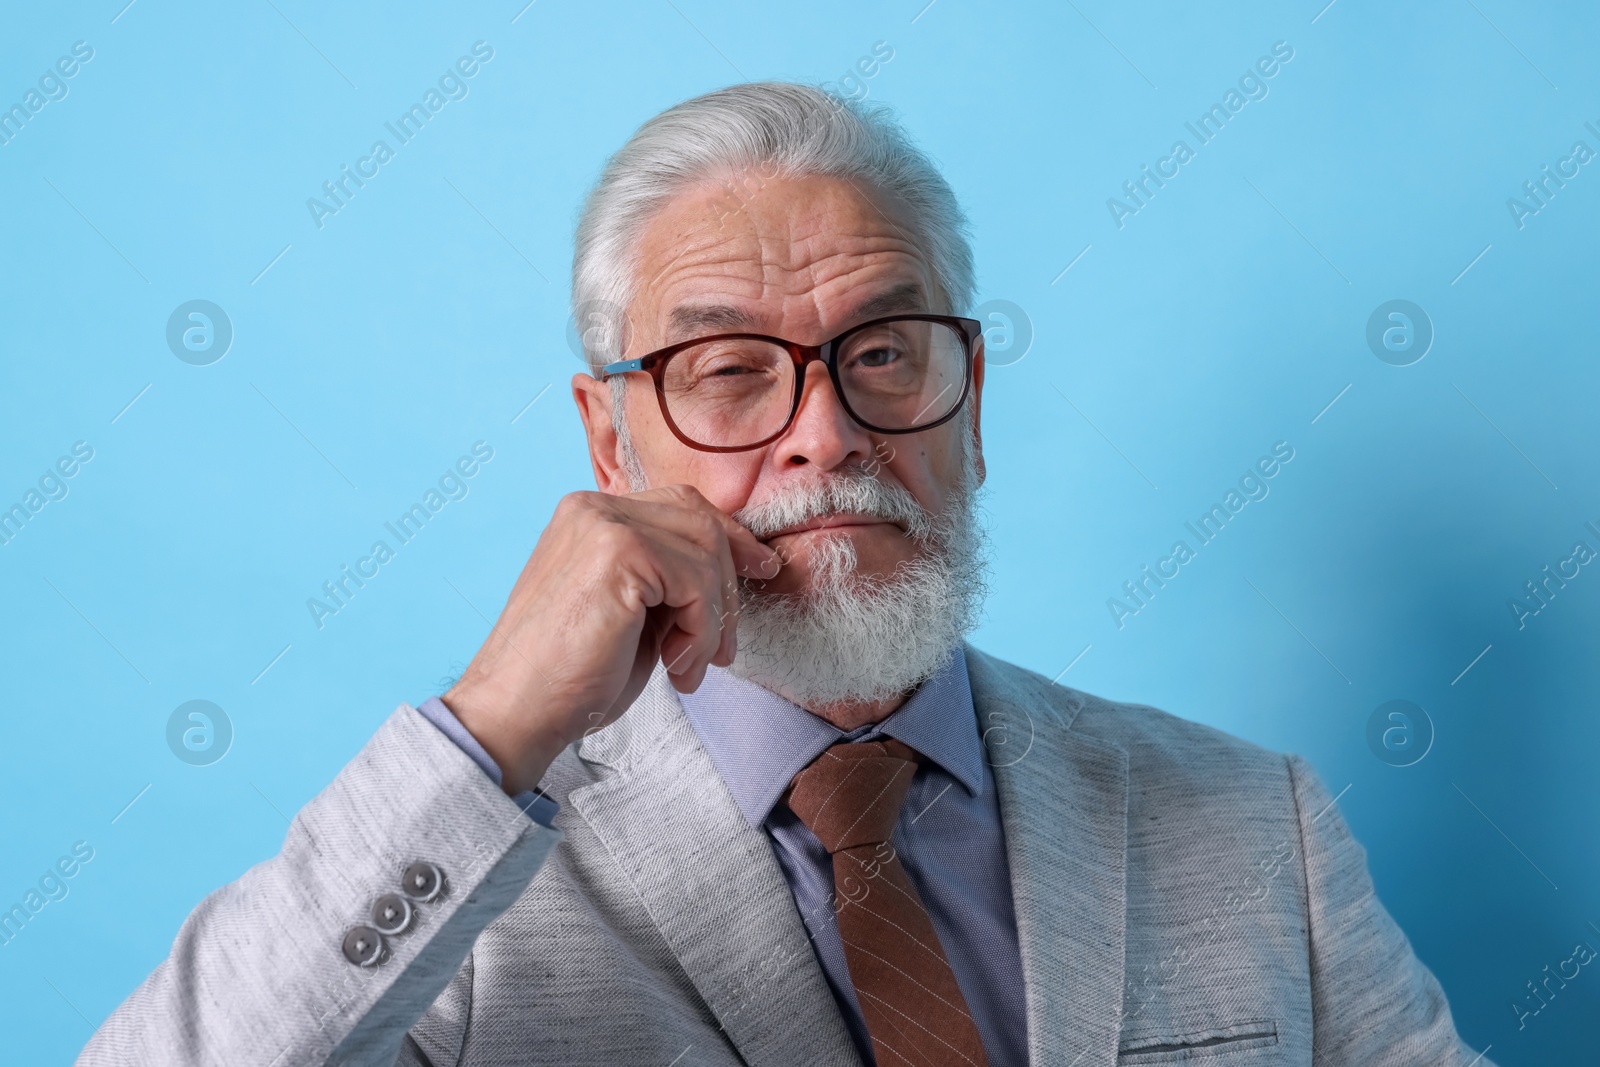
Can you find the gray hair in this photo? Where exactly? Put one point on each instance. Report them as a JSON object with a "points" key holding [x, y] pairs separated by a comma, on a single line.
{"points": [[745, 135]]}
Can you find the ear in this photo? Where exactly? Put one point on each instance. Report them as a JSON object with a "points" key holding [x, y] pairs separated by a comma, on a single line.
{"points": [[593, 398], [976, 400]]}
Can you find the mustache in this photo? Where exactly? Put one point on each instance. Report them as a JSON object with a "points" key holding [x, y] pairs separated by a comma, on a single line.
{"points": [[851, 489]]}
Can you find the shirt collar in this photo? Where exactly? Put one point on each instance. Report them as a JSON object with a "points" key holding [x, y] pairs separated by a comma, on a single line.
{"points": [[758, 741]]}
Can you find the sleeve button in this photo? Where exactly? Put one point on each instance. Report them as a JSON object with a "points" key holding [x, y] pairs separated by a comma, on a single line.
{"points": [[363, 945], [391, 914], [422, 881]]}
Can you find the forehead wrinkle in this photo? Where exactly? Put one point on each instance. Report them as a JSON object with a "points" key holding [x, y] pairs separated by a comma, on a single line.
{"points": [[778, 294], [840, 287], [783, 248], [800, 276]]}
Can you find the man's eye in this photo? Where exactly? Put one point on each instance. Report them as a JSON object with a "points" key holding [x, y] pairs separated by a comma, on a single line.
{"points": [[876, 357]]}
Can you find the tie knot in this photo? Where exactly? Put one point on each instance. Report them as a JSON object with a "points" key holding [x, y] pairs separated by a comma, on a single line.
{"points": [[851, 794]]}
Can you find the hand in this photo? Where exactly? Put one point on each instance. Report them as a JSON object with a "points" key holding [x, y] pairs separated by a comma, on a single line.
{"points": [[615, 584]]}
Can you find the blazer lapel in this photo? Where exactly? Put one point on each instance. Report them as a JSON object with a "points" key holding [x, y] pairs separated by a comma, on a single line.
{"points": [[1064, 808], [711, 884]]}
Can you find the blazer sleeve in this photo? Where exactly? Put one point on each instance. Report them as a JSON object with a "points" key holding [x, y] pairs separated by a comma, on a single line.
{"points": [[1374, 1004], [264, 971]]}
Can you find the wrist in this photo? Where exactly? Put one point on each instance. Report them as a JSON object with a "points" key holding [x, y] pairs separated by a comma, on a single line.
{"points": [[522, 750], [536, 756]]}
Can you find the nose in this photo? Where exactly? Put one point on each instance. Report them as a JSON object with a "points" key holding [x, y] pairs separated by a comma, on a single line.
{"points": [[822, 433]]}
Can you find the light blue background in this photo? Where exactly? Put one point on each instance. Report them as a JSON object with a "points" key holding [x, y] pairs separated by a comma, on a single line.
{"points": [[426, 315]]}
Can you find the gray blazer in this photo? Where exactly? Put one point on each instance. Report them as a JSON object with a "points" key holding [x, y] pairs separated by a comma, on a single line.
{"points": [[1182, 896]]}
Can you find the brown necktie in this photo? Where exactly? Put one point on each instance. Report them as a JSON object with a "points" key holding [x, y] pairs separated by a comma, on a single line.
{"points": [[850, 798]]}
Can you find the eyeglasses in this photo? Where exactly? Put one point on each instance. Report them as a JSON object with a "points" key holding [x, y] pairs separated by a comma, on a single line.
{"points": [[736, 391]]}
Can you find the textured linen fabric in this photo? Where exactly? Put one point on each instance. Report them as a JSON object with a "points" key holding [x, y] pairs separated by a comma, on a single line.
{"points": [[1182, 897], [949, 838], [540, 808]]}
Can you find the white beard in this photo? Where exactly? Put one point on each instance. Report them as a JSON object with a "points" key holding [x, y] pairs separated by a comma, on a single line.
{"points": [[853, 639], [850, 639]]}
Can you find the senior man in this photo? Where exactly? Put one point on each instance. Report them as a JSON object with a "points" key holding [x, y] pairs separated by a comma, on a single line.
{"points": [[725, 784]]}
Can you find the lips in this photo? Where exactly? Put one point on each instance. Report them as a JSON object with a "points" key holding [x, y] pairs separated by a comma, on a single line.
{"points": [[827, 522]]}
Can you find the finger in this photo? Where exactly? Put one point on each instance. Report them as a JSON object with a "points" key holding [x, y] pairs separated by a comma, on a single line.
{"points": [[730, 624], [728, 618], [674, 584], [754, 557], [695, 524], [712, 537], [691, 587], [683, 509]]}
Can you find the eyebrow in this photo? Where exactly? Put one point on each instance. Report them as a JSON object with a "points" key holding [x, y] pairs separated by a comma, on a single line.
{"points": [[690, 319], [905, 297]]}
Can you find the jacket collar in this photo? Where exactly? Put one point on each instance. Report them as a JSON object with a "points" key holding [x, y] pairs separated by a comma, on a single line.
{"points": [[1064, 806]]}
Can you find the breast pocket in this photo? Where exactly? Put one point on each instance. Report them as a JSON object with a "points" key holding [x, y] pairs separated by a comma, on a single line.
{"points": [[1239, 1043]]}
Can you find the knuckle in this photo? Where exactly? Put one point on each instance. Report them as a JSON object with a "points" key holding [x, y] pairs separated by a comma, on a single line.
{"points": [[616, 539], [709, 529], [576, 503], [687, 494], [566, 506]]}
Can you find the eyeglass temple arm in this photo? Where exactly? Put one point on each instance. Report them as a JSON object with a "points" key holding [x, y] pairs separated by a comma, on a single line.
{"points": [[621, 367]]}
